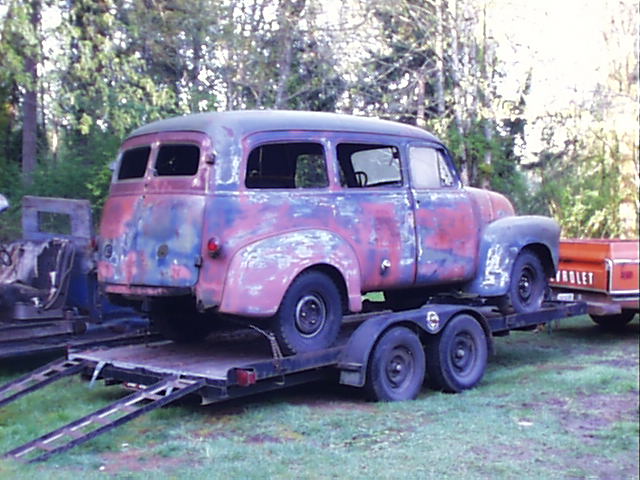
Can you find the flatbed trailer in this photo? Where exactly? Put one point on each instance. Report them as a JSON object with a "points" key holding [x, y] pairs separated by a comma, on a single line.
{"points": [[387, 353]]}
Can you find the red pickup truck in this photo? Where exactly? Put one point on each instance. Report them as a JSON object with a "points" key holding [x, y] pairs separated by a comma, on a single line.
{"points": [[604, 273]]}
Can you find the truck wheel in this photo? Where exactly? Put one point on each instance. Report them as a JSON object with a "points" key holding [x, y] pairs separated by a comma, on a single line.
{"points": [[310, 314], [457, 356], [176, 320], [614, 322], [396, 367], [527, 287]]}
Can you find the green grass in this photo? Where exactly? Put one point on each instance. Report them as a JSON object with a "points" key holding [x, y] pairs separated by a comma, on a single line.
{"points": [[560, 406]]}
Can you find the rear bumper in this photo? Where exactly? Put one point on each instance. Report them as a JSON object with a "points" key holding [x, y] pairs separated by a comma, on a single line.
{"points": [[600, 303]]}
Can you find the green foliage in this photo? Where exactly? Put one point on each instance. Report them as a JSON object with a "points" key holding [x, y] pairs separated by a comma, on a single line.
{"points": [[586, 184], [119, 64]]}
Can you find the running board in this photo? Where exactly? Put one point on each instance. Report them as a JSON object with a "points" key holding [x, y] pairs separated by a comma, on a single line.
{"points": [[105, 419], [38, 378]]}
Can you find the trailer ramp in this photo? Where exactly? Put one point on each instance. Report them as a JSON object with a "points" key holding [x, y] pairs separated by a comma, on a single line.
{"points": [[121, 411], [38, 378]]}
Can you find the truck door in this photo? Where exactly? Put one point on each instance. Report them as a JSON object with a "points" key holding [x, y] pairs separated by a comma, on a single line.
{"points": [[446, 228], [373, 211]]}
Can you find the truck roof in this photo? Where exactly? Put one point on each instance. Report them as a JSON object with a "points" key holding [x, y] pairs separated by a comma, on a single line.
{"points": [[242, 123]]}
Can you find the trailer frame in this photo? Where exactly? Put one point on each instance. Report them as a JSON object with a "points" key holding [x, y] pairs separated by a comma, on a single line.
{"points": [[375, 350]]}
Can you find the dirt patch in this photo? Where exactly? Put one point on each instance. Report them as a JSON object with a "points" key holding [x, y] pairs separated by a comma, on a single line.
{"points": [[620, 362], [263, 438], [559, 367], [139, 460], [586, 415]]}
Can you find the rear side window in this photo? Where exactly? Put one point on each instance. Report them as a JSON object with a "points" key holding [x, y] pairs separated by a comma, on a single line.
{"points": [[133, 163], [177, 160], [287, 165], [365, 166]]}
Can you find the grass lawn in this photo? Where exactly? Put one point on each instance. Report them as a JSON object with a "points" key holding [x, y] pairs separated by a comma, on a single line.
{"points": [[561, 405]]}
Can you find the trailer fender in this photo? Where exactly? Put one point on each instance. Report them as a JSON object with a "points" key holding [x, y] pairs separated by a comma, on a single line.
{"points": [[260, 273], [427, 322], [503, 240]]}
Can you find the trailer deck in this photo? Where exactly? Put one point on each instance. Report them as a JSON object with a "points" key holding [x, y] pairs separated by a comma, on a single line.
{"points": [[249, 361]]}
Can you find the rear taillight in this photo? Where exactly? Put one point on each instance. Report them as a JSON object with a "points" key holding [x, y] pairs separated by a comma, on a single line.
{"points": [[213, 247]]}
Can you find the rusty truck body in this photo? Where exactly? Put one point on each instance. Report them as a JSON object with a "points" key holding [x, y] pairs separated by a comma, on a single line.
{"points": [[287, 218]]}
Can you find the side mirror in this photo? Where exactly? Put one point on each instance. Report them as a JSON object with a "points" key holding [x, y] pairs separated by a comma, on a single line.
{"points": [[4, 203]]}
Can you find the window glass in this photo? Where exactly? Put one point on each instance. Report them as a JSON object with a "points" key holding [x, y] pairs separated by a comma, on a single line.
{"points": [[53, 222], [133, 163], [176, 160], [287, 165], [429, 169], [446, 177], [364, 166]]}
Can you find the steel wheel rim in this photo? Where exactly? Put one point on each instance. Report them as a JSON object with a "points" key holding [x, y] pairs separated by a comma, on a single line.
{"points": [[399, 367], [463, 353], [526, 284], [310, 315]]}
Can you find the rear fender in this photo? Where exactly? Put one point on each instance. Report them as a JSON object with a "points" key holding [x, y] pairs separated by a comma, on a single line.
{"points": [[260, 273], [501, 243]]}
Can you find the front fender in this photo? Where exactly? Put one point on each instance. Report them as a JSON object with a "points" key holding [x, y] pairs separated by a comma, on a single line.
{"points": [[260, 273], [501, 243]]}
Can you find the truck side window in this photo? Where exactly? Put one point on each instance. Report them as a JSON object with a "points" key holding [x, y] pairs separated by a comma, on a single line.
{"points": [[429, 168], [133, 163], [176, 160], [363, 165], [287, 165]]}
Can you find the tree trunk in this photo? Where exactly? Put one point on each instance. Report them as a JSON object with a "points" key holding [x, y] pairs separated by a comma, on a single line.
{"points": [[30, 101], [290, 17]]}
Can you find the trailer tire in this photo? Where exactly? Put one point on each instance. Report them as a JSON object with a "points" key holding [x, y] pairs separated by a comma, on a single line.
{"points": [[457, 356], [527, 287], [396, 367], [614, 322], [310, 314]]}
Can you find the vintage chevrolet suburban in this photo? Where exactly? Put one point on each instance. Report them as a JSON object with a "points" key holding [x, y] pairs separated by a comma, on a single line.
{"points": [[290, 217]]}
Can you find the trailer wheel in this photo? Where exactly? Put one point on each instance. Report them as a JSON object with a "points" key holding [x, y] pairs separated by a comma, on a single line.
{"points": [[396, 367], [457, 356], [310, 314], [614, 322], [527, 286]]}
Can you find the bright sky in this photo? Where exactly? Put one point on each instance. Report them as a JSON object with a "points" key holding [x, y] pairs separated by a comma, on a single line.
{"points": [[561, 40]]}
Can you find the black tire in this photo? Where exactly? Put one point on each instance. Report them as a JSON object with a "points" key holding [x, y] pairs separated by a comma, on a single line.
{"points": [[310, 314], [396, 367], [614, 322], [177, 320], [399, 300], [527, 287], [457, 356]]}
